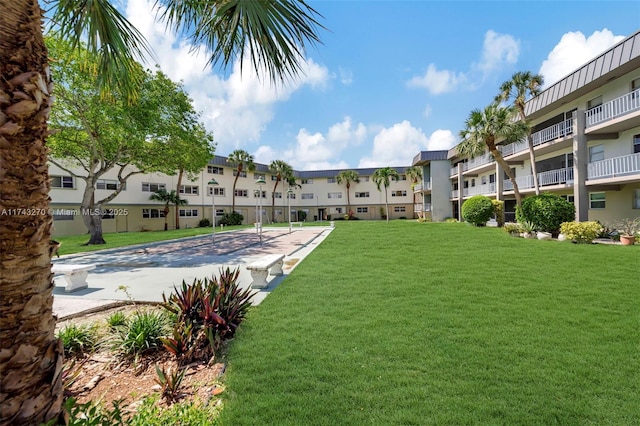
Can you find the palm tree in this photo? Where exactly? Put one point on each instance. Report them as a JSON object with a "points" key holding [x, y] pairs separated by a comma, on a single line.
{"points": [[348, 176], [523, 84], [283, 172], [168, 198], [484, 128], [383, 177], [239, 159], [274, 35], [414, 173]]}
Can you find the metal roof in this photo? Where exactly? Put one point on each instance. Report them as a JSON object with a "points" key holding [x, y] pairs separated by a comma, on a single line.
{"points": [[424, 157]]}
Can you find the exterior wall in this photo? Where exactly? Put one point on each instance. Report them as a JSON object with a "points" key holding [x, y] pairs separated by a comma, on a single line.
{"points": [[441, 190]]}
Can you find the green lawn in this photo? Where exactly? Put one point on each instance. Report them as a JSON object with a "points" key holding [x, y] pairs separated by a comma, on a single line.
{"points": [[414, 324]]}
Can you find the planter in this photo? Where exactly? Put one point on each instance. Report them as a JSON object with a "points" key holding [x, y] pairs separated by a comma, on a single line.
{"points": [[562, 237], [627, 240], [544, 235]]}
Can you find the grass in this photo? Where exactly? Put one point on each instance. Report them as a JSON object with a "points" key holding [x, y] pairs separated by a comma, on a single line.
{"points": [[428, 323]]}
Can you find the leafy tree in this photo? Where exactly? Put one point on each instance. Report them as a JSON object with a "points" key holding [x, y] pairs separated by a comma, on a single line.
{"points": [[347, 177], [168, 198], [414, 173], [383, 177], [283, 172], [274, 34], [484, 128], [241, 160], [523, 84], [94, 135]]}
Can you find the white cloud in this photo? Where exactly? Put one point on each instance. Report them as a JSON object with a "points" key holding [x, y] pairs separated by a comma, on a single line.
{"points": [[573, 51], [346, 76], [395, 146], [498, 50], [441, 139], [237, 109], [437, 81]]}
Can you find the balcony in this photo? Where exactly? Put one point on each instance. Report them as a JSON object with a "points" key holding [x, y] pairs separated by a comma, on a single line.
{"points": [[486, 189], [477, 162], [627, 165], [562, 176], [423, 186], [557, 132], [610, 116]]}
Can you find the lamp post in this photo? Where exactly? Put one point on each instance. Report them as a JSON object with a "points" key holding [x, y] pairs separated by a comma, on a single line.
{"points": [[289, 192], [256, 194], [260, 182], [213, 183]]}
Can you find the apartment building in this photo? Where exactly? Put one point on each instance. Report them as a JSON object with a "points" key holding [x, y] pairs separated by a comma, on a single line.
{"points": [[586, 133], [316, 193]]}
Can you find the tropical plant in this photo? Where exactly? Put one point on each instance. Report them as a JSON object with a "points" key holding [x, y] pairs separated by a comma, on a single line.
{"points": [[78, 339], [142, 333], [498, 211], [170, 381], [546, 211], [477, 210], [167, 198], [348, 177], [273, 34], [233, 218], [383, 177], [484, 129], [241, 160], [628, 227], [581, 232], [204, 223], [283, 172], [512, 228], [414, 174], [117, 319], [523, 85]]}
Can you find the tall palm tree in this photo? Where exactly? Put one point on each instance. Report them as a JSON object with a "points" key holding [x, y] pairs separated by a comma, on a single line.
{"points": [[414, 173], [348, 176], [523, 85], [283, 172], [239, 159], [274, 35], [168, 198], [383, 177], [484, 128]]}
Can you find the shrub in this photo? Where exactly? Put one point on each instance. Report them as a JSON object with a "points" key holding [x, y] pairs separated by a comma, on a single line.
{"points": [[629, 227], [229, 219], [546, 211], [302, 215], [77, 339], [512, 228], [498, 211], [477, 210], [117, 319], [581, 232], [142, 333], [451, 220], [204, 223]]}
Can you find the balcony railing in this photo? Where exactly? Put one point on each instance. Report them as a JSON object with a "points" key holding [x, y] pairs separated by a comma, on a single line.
{"points": [[487, 188], [454, 193], [477, 162], [615, 108], [551, 177], [612, 167], [423, 186], [453, 171], [557, 131]]}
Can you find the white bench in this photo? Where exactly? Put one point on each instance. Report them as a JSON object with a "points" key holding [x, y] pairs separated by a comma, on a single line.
{"points": [[297, 223], [260, 269], [75, 275]]}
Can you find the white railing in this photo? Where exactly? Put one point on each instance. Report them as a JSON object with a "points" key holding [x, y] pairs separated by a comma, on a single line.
{"points": [[454, 193], [453, 171], [417, 208], [477, 162], [612, 167], [427, 207], [557, 131], [487, 188], [426, 186], [551, 177], [615, 108]]}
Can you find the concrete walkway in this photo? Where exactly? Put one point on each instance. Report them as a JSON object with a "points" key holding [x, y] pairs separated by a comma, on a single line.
{"points": [[147, 271]]}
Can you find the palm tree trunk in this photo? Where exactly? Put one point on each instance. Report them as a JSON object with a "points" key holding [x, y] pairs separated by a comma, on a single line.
{"points": [[532, 158], [500, 160], [348, 201], [31, 356], [166, 216], [233, 199], [273, 203], [178, 192], [386, 202]]}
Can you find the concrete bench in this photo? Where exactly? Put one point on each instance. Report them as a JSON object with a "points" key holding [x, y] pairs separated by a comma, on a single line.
{"points": [[260, 269], [297, 223], [75, 275]]}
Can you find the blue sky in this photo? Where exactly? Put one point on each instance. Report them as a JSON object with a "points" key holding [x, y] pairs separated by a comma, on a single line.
{"points": [[391, 77]]}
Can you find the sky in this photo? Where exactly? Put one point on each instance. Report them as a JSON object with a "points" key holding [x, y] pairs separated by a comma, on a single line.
{"points": [[390, 79]]}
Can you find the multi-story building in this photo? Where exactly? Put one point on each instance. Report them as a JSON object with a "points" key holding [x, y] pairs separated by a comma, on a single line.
{"points": [[586, 133]]}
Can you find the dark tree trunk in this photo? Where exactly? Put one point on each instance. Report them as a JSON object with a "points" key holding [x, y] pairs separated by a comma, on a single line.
{"points": [[93, 221], [177, 192], [30, 356]]}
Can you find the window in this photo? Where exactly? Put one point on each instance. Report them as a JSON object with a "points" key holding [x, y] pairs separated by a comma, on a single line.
{"points": [[398, 193], [473, 183], [492, 178], [636, 144], [339, 210], [636, 198], [306, 181], [216, 190], [399, 209], [62, 182], [259, 176], [277, 194], [63, 215], [596, 153], [153, 187], [108, 214], [189, 189], [635, 85], [215, 170], [274, 178], [242, 173], [334, 195], [292, 196], [331, 180], [241, 193], [597, 200], [362, 194], [362, 209], [188, 212], [483, 180], [278, 212], [152, 213], [569, 198], [403, 177], [110, 184], [307, 196], [256, 193], [597, 101]]}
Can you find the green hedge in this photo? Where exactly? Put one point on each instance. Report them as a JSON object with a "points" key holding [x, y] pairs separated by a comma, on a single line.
{"points": [[477, 210], [546, 211]]}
